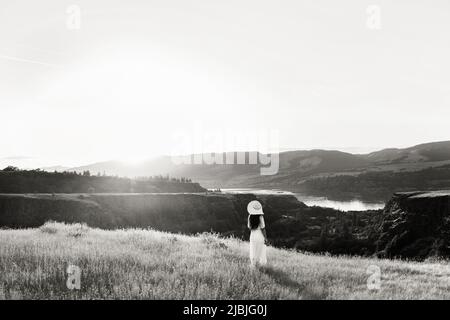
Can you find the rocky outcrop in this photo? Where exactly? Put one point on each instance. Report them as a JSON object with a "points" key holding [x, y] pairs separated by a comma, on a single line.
{"points": [[415, 225]]}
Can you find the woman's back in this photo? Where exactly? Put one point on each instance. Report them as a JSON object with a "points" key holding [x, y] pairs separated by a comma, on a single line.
{"points": [[257, 227], [256, 222]]}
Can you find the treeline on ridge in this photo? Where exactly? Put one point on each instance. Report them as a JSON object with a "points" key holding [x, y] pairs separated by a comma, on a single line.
{"points": [[14, 180]]}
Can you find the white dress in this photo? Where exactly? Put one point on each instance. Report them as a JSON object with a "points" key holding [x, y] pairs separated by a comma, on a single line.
{"points": [[257, 244]]}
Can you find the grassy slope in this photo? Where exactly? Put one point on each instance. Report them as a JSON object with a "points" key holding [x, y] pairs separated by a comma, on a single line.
{"points": [[155, 265]]}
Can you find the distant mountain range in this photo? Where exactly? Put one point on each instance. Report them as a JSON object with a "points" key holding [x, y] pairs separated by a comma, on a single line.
{"points": [[372, 176]]}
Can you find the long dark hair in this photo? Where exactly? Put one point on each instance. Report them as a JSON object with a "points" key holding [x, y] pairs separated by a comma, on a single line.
{"points": [[254, 221]]}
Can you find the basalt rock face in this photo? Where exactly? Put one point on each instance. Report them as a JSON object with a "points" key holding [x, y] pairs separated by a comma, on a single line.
{"points": [[412, 225], [186, 213], [415, 225], [290, 223]]}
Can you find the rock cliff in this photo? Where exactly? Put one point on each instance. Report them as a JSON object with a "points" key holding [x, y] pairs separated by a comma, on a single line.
{"points": [[415, 225]]}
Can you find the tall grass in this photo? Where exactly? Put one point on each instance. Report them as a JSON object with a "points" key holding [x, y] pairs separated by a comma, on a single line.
{"points": [[147, 264]]}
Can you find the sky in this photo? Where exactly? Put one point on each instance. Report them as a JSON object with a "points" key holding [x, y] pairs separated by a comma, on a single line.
{"points": [[88, 81]]}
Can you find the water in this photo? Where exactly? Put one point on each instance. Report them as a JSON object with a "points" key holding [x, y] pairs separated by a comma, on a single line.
{"points": [[348, 205]]}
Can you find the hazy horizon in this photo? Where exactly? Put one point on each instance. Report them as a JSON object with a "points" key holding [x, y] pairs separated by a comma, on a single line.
{"points": [[30, 163], [106, 80], [24, 162]]}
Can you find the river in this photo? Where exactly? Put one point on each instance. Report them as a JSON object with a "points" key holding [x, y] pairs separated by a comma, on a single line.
{"points": [[348, 205]]}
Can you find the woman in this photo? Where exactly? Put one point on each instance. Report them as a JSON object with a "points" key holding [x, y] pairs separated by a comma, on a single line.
{"points": [[257, 234]]}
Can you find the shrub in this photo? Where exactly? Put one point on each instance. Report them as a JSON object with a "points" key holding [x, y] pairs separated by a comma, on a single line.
{"points": [[212, 240], [77, 230], [50, 227]]}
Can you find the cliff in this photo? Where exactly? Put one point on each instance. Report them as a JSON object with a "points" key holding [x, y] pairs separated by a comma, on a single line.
{"points": [[292, 223], [183, 212], [415, 225]]}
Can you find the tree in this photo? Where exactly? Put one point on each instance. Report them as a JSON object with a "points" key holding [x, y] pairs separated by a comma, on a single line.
{"points": [[11, 169], [323, 236], [346, 231]]}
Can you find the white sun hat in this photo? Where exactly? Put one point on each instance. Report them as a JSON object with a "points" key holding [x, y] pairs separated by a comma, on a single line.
{"points": [[255, 208]]}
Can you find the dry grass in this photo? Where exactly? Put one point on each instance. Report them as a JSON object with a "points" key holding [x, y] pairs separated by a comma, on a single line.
{"points": [[145, 264]]}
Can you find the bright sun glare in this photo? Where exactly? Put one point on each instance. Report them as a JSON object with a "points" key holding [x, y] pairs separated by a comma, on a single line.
{"points": [[131, 104]]}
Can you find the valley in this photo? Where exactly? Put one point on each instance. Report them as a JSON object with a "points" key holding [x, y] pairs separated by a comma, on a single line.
{"points": [[336, 175]]}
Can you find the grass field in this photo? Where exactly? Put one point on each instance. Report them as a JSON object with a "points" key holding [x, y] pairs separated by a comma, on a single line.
{"points": [[146, 264]]}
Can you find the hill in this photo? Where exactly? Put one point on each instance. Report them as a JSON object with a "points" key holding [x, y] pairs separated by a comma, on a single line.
{"points": [[334, 174], [427, 152], [300, 163], [146, 264]]}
